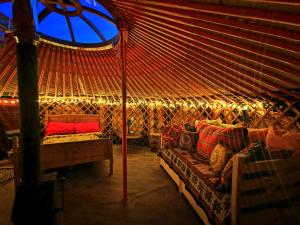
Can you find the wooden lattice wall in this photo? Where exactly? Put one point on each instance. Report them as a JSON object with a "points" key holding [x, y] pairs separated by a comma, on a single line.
{"points": [[148, 117]]}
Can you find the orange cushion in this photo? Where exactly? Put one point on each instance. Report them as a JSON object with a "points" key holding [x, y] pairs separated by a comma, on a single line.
{"points": [[282, 139], [259, 134]]}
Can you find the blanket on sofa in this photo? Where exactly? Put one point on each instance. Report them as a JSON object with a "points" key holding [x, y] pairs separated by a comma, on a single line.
{"points": [[200, 181]]}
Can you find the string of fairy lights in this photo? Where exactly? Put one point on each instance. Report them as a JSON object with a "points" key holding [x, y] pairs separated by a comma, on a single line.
{"points": [[146, 103]]}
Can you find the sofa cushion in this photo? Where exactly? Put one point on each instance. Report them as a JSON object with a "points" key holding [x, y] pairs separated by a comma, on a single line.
{"points": [[188, 140], [86, 127], [200, 125], [190, 127], [208, 139], [200, 181], [209, 136], [219, 158], [54, 128], [282, 139], [257, 134], [173, 135], [254, 152], [217, 122], [186, 163]]}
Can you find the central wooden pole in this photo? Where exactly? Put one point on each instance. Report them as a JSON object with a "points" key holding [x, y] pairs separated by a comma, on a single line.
{"points": [[123, 33], [27, 91], [29, 112]]}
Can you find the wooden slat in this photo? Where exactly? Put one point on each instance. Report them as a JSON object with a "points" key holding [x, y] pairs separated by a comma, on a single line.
{"points": [[269, 197], [232, 11], [216, 83], [227, 75], [290, 164]]}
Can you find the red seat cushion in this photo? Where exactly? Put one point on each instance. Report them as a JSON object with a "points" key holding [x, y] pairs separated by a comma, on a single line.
{"points": [[87, 127], [53, 128]]}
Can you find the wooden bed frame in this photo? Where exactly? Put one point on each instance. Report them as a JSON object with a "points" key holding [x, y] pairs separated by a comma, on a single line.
{"points": [[69, 153], [78, 152], [271, 189]]}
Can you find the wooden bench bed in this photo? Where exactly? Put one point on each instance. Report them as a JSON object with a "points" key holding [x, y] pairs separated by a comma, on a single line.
{"points": [[67, 153], [54, 155], [263, 193]]}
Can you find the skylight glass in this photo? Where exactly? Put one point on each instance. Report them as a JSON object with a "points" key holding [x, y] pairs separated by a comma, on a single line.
{"points": [[91, 24], [88, 36], [107, 28], [40, 6], [6, 9], [59, 31]]}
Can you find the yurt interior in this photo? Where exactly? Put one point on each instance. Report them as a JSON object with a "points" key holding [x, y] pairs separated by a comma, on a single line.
{"points": [[139, 112]]}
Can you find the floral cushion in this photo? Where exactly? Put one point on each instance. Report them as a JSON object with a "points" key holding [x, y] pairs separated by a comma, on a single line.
{"points": [[219, 158], [188, 140]]}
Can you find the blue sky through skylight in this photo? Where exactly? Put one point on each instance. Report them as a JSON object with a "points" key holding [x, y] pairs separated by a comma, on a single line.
{"points": [[55, 25], [59, 29]]}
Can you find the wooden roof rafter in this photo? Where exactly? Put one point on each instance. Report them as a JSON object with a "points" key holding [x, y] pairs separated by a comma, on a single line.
{"points": [[160, 37]]}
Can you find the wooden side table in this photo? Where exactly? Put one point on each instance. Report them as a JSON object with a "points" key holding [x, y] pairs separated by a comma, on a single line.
{"points": [[155, 141]]}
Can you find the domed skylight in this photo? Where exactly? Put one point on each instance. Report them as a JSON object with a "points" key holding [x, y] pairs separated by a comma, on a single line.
{"points": [[82, 23]]}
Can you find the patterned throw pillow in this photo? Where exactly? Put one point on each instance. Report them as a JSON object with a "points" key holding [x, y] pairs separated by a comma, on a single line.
{"points": [[219, 158], [188, 140], [254, 152], [208, 139], [209, 136], [174, 134], [170, 139], [190, 127], [234, 138]]}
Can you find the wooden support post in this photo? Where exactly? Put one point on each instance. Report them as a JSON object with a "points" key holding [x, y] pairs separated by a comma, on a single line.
{"points": [[29, 111], [34, 199], [123, 33], [27, 90]]}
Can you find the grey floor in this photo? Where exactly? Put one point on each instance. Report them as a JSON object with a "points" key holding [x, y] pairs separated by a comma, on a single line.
{"points": [[92, 197]]}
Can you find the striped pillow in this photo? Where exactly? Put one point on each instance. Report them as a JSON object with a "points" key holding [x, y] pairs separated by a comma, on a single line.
{"points": [[234, 139]]}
